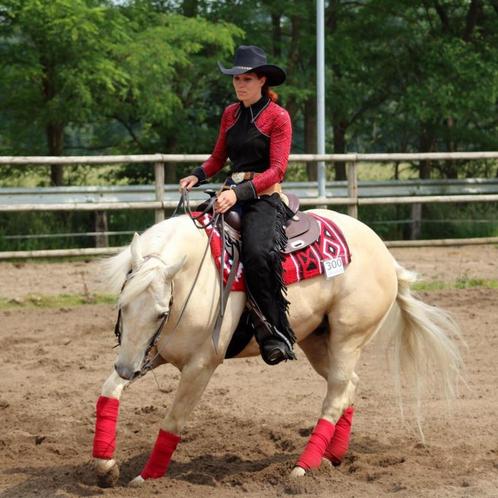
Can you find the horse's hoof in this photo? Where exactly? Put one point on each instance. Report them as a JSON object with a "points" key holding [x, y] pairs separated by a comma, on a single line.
{"points": [[137, 482], [326, 462], [298, 472], [107, 473]]}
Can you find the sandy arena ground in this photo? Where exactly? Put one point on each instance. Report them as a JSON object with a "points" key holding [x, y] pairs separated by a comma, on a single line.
{"points": [[253, 421]]}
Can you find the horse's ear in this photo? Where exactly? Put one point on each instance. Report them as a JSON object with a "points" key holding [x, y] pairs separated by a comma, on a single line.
{"points": [[173, 269], [136, 252]]}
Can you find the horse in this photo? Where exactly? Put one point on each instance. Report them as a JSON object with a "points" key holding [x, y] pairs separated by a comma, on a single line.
{"points": [[169, 294]]}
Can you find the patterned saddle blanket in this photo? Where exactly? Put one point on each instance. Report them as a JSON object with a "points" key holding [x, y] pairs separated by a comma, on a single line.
{"points": [[329, 251]]}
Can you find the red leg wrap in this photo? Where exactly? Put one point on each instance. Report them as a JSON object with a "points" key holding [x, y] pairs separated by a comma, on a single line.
{"points": [[159, 459], [104, 441], [340, 442], [311, 457]]}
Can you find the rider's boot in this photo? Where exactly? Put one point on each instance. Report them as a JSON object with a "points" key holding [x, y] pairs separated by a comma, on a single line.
{"points": [[273, 344]]}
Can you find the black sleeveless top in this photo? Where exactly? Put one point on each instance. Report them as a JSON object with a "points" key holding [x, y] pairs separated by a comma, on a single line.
{"points": [[249, 149]]}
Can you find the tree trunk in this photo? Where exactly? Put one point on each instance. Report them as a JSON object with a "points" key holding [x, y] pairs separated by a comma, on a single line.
{"points": [[190, 8], [424, 170], [426, 145], [310, 137], [55, 142], [340, 148], [293, 60], [54, 130], [276, 34], [450, 167], [471, 21], [170, 173]]}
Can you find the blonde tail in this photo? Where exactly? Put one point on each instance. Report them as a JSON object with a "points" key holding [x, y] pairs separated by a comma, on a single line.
{"points": [[425, 349]]}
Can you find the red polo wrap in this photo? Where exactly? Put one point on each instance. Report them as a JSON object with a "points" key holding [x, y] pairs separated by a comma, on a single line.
{"points": [[340, 442], [104, 441], [311, 457], [159, 459]]}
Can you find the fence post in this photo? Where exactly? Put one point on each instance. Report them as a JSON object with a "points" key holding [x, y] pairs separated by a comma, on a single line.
{"points": [[101, 227], [352, 172], [159, 182], [416, 224]]}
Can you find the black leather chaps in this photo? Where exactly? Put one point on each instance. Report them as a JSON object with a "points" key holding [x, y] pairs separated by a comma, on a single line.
{"points": [[263, 239]]}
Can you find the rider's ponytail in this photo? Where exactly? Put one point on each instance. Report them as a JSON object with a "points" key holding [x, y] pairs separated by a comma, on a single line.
{"points": [[270, 93], [267, 91]]}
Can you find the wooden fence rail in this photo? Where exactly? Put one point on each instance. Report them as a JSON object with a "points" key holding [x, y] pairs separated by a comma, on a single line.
{"points": [[352, 201]]}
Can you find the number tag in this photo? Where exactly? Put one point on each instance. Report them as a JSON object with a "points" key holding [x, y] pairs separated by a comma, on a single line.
{"points": [[333, 267]]}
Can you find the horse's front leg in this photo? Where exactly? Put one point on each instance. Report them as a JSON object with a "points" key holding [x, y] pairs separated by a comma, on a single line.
{"points": [[104, 442], [195, 376]]}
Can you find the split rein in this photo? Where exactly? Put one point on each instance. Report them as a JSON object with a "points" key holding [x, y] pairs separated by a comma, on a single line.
{"points": [[183, 204]]}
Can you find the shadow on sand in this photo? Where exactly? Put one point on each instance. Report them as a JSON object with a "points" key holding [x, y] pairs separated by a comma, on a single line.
{"points": [[79, 480]]}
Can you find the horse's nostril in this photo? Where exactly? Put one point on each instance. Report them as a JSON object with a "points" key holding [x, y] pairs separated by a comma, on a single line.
{"points": [[124, 372]]}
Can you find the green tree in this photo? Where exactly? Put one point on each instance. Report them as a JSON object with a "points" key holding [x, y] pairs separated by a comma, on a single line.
{"points": [[77, 63], [171, 63], [442, 62], [58, 59], [141, 76]]}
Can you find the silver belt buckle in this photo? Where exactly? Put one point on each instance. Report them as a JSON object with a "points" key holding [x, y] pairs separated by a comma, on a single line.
{"points": [[238, 177]]}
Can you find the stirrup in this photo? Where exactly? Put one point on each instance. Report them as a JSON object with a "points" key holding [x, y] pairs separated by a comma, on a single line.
{"points": [[273, 351]]}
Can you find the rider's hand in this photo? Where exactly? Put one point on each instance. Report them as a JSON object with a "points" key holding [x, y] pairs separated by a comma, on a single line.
{"points": [[188, 182], [225, 201]]}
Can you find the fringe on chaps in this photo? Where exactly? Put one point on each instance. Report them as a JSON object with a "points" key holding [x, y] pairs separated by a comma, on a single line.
{"points": [[263, 239]]}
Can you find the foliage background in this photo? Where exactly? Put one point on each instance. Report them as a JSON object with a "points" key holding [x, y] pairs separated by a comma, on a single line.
{"points": [[82, 77]]}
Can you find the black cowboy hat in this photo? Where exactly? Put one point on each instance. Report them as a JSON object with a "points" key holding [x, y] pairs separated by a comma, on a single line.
{"points": [[249, 58]]}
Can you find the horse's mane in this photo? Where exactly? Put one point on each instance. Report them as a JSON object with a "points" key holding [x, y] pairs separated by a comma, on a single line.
{"points": [[115, 270], [142, 278], [153, 241]]}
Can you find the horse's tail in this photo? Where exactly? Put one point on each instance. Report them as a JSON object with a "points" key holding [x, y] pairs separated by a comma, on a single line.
{"points": [[424, 343]]}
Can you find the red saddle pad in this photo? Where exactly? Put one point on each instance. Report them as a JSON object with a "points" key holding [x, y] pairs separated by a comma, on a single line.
{"points": [[300, 265]]}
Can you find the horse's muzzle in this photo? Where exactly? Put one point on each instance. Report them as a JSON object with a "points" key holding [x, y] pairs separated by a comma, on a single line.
{"points": [[125, 372]]}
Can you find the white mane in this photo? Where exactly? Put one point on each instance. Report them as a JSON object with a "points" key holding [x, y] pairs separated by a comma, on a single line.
{"points": [[152, 241]]}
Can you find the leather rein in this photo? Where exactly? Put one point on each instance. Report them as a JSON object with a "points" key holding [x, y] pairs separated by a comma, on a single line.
{"points": [[148, 363], [184, 203]]}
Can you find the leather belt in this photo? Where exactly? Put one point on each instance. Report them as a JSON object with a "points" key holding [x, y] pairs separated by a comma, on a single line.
{"points": [[242, 176], [272, 189]]}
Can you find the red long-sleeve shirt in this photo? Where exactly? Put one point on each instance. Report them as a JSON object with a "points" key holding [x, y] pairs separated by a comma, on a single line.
{"points": [[262, 144]]}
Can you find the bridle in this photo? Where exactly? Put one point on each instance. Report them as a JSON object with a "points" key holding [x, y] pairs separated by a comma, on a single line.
{"points": [[148, 363]]}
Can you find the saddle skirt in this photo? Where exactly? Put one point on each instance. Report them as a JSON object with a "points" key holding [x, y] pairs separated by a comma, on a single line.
{"points": [[301, 230], [298, 263]]}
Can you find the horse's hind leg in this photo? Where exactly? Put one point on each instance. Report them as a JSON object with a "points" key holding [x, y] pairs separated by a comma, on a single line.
{"points": [[348, 335], [104, 442], [316, 348]]}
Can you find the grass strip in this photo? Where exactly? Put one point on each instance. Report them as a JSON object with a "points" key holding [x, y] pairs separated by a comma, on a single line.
{"points": [[461, 283], [55, 301], [74, 300]]}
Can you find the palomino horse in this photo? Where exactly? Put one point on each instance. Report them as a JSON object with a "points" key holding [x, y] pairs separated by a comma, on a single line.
{"points": [[156, 274]]}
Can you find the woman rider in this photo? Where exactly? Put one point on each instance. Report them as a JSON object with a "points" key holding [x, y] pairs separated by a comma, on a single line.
{"points": [[256, 134]]}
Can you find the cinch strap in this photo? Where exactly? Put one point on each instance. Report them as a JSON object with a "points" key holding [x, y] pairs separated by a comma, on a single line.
{"points": [[311, 457], [159, 459], [104, 441]]}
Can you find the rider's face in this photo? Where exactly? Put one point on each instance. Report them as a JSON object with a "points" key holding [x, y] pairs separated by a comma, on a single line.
{"points": [[248, 87]]}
